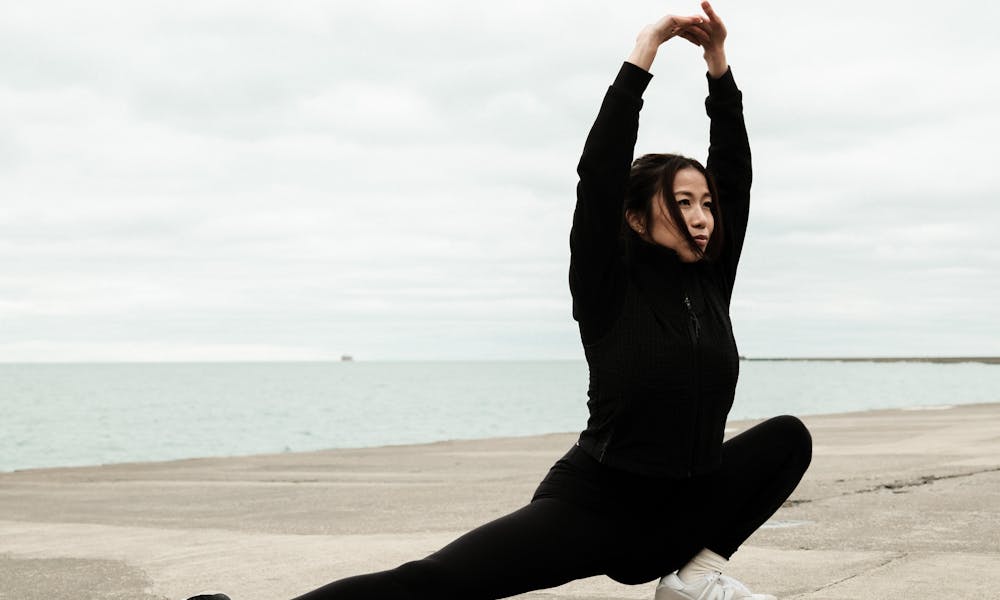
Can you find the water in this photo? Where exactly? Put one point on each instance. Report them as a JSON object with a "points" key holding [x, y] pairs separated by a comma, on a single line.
{"points": [[83, 414]]}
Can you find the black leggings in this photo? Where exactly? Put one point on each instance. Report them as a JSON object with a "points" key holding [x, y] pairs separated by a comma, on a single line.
{"points": [[587, 519]]}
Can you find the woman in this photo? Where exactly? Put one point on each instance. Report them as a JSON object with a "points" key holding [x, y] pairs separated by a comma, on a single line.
{"points": [[650, 487]]}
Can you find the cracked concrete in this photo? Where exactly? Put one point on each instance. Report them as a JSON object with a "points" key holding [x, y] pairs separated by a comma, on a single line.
{"points": [[897, 486], [897, 504], [860, 573]]}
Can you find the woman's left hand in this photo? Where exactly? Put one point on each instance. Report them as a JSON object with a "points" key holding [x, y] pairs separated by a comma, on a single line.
{"points": [[710, 34]]}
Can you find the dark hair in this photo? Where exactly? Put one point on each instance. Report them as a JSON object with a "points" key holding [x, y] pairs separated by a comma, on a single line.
{"points": [[654, 173]]}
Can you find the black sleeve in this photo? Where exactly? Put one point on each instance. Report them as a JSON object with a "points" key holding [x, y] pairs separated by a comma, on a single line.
{"points": [[729, 164], [595, 272]]}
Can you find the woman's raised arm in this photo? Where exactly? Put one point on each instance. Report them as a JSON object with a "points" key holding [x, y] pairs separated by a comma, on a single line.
{"points": [[729, 147], [604, 171]]}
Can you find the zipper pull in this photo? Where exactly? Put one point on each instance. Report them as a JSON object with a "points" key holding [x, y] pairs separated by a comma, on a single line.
{"points": [[696, 326]]}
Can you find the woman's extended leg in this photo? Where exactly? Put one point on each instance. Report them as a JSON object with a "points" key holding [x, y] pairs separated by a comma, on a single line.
{"points": [[544, 544]]}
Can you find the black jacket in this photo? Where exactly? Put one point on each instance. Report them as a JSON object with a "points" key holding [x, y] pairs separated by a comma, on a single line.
{"points": [[656, 331]]}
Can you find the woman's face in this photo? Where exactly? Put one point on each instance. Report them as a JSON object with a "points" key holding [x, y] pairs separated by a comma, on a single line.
{"points": [[694, 201]]}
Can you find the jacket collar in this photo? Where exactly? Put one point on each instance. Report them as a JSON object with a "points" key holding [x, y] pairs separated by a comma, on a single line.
{"points": [[640, 253], [661, 276]]}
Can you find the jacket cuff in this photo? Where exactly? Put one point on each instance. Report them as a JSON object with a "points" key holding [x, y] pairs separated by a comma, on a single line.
{"points": [[632, 79], [723, 86]]}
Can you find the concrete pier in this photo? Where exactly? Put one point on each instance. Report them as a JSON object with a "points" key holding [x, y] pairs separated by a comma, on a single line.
{"points": [[897, 504]]}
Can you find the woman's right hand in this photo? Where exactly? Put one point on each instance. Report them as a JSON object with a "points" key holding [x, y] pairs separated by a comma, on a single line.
{"points": [[669, 26], [655, 34]]}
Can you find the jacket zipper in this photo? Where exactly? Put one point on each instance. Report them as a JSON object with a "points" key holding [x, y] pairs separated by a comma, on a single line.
{"points": [[694, 327]]}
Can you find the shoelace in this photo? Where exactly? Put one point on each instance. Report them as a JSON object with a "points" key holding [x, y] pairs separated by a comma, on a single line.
{"points": [[720, 589], [734, 586], [729, 582]]}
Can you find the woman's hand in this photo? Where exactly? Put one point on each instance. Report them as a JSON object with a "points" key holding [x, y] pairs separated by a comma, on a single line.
{"points": [[666, 28], [654, 35], [710, 34]]}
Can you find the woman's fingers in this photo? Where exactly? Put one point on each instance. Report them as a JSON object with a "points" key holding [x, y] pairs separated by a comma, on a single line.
{"points": [[689, 37], [697, 35], [679, 24], [686, 21], [670, 26], [702, 28], [713, 30], [712, 24], [710, 12]]}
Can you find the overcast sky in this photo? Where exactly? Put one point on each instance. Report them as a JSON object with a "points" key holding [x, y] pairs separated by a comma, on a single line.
{"points": [[240, 180]]}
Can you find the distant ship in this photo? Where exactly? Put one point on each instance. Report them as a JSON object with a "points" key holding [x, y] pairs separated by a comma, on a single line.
{"points": [[346, 358]]}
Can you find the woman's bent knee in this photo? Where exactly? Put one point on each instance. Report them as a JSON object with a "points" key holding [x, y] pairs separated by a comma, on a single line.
{"points": [[795, 434], [794, 428], [785, 434]]}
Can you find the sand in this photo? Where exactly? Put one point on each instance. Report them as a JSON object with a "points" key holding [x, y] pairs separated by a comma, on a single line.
{"points": [[897, 504]]}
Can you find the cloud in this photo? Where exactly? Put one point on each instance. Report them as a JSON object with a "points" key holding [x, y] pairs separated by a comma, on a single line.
{"points": [[253, 179]]}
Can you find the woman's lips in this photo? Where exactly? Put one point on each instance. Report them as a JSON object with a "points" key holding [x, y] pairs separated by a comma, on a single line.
{"points": [[701, 240]]}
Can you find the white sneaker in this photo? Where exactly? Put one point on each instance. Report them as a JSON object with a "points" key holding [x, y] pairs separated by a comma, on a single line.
{"points": [[714, 587]]}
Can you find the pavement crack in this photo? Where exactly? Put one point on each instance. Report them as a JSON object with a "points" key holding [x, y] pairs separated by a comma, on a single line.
{"points": [[797, 502], [898, 485], [888, 561]]}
